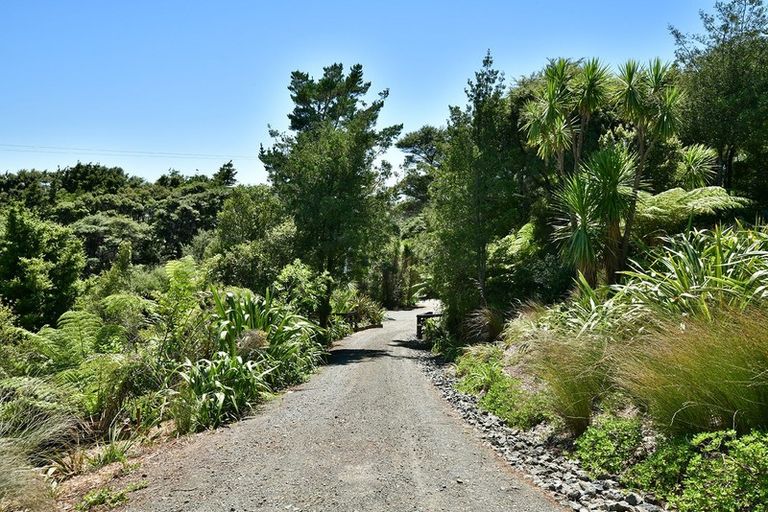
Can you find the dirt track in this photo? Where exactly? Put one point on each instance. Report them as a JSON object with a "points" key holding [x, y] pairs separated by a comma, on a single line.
{"points": [[368, 433]]}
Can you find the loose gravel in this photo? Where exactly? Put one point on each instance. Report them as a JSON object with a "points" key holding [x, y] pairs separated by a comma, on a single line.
{"points": [[368, 433], [532, 453]]}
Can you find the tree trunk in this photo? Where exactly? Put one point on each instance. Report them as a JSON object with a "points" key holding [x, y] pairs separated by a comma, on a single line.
{"points": [[612, 253], [629, 224], [728, 178]]}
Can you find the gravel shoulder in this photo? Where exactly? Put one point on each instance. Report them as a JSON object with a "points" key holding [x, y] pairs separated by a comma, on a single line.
{"points": [[369, 432]]}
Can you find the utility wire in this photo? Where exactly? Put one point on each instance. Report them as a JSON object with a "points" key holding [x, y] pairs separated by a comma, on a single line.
{"points": [[64, 150]]}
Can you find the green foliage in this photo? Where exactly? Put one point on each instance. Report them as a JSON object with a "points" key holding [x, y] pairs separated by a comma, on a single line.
{"points": [[521, 268], [663, 471], [256, 264], [724, 73], [103, 496], [726, 474], [518, 408], [248, 213], [108, 497], [324, 170], [104, 234], [182, 330], [114, 451], [299, 286], [481, 372], [699, 270], [478, 367], [671, 211], [263, 330], [217, 390], [608, 446], [475, 195], [698, 375], [40, 263], [697, 166]]}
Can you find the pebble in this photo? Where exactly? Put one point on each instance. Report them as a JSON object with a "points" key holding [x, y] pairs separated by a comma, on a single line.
{"points": [[542, 461]]}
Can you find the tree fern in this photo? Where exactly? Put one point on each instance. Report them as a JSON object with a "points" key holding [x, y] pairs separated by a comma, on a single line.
{"points": [[81, 328], [672, 209]]}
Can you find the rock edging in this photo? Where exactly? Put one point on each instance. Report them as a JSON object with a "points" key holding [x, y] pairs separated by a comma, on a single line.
{"points": [[530, 452]]}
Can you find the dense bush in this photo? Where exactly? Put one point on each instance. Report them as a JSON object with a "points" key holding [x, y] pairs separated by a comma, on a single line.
{"points": [[726, 473], [217, 390], [608, 446], [40, 263], [481, 372]]}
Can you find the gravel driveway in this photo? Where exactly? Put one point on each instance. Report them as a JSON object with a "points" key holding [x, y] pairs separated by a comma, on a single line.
{"points": [[369, 432]]}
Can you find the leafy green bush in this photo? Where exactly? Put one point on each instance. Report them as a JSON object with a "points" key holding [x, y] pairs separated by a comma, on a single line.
{"points": [[478, 368], [219, 390], [290, 347], [481, 371], [302, 288], [727, 474], [607, 446], [40, 263], [517, 407], [701, 270], [671, 210], [520, 267], [663, 471]]}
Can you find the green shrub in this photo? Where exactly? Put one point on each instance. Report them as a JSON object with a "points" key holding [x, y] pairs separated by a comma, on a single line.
{"points": [[478, 368], [218, 390], [663, 471], [481, 371], [699, 271], [608, 446], [40, 263], [518, 408], [290, 347], [727, 474], [302, 288]]}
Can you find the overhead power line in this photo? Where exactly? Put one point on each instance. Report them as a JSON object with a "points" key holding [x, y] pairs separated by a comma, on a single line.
{"points": [[64, 150]]}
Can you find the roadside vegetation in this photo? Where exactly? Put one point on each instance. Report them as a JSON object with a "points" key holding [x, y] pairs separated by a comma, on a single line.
{"points": [[618, 298], [131, 311], [594, 234]]}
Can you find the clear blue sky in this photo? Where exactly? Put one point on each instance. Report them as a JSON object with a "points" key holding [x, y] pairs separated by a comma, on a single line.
{"points": [[119, 82]]}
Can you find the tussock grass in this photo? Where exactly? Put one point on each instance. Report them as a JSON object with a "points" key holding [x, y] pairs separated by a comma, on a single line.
{"points": [[576, 372], [700, 375]]}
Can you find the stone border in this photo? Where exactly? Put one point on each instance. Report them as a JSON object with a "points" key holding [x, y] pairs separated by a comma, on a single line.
{"points": [[532, 454]]}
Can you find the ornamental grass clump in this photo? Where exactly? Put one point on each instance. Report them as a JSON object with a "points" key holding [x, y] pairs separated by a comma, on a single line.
{"points": [[697, 375]]}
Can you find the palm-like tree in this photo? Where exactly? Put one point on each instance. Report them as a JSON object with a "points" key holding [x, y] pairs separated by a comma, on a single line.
{"points": [[696, 167], [648, 98], [579, 225], [548, 118], [558, 118], [591, 90], [594, 202], [611, 171]]}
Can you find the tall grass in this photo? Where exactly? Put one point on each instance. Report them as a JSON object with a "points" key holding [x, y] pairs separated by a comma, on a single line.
{"points": [[29, 435], [576, 372], [699, 375]]}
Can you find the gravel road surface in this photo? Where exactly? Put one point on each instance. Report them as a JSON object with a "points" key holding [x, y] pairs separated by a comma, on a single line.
{"points": [[368, 433]]}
